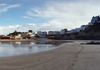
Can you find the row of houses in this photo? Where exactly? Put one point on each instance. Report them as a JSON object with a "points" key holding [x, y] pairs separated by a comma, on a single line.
{"points": [[44, 34], [62, 34], [31, 35], [18, 35]]}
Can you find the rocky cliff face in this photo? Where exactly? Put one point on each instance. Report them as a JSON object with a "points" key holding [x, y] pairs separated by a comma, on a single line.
{"points": [[92, 31]]}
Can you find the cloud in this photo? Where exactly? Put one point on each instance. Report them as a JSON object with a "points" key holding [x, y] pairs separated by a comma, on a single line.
{"points": [[7, 29], [58, 14], [69, 14], [6, 7], [31, 26]]}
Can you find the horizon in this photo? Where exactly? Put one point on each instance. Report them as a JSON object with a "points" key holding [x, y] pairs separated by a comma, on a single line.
{"points": [[45, 15]]}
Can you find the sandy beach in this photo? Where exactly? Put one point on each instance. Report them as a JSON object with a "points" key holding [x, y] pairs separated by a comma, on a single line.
{"points": [[69, 56]]}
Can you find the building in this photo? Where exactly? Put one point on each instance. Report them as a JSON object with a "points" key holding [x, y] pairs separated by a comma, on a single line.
{"points": [[42, 34], [83, 27], [30, 34], [22, 35], [75, 30], [54, 33], [18, 37]]}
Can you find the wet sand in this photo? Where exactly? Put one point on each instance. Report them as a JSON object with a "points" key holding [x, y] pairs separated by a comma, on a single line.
{"points": [[70, 56]]}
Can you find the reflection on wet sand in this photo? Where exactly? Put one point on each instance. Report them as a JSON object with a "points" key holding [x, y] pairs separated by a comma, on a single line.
{"points": [[19, 48]]}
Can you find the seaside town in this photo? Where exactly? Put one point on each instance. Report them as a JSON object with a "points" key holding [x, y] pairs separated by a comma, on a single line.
{"points": [[49, 34], [85, 32]]}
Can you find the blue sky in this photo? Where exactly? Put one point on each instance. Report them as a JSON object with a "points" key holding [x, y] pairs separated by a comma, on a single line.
{"points": [[44, 15], [14, 15]]}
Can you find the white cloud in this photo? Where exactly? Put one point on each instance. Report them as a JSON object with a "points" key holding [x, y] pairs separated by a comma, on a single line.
{"points": [[58, 15], [31, 26], [6, 7], [67, 14], [8, 29]]}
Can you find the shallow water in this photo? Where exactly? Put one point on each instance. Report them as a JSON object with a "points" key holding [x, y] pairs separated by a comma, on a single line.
{"points": [[23, 48]]}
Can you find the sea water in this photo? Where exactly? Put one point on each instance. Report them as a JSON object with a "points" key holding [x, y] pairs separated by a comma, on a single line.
{"points": [[23, 48]]}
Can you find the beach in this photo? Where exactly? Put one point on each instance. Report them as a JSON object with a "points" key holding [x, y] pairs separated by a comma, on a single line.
{"points": [[69, 56]]}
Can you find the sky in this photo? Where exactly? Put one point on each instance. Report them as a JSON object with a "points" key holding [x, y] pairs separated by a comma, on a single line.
{"points": [[45, 15]]}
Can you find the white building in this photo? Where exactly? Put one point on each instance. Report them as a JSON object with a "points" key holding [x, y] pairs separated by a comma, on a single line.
{"points": [[42, 34], [53, 32], [30, 34], [18, 36]]}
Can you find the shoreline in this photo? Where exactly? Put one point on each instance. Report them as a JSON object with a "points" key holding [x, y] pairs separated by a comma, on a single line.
{"points": [[34, 61], [37, 40], [69, 56]]}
